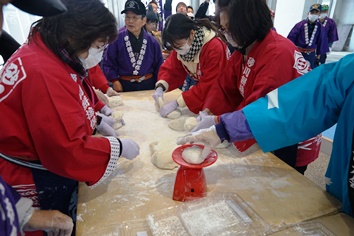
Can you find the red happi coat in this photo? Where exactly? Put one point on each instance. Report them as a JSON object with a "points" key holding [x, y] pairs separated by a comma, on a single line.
{"points": [[209, 64], [48, 115], [269, 64]]}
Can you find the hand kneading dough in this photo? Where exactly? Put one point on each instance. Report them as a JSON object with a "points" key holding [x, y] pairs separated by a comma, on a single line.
{"points": [[173, 115], [115, 101], [192, 155], [190, 123], [178, 124], [161, 154]]}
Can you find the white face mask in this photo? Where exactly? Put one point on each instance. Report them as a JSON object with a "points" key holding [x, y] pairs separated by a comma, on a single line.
{"points": [[184, 49], [323, 15], [93, 58], [313, 17], [231, 40]]}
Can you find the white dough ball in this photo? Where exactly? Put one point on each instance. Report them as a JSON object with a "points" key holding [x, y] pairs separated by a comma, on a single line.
{"points": [[190, 123], [174, 115], [177, 124], [115, 101], [192, 155]]}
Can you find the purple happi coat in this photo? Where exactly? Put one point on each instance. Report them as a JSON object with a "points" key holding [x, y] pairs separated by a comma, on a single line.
{"points": [[299, 36], [118, 61], [330, 29], [9, 224]]}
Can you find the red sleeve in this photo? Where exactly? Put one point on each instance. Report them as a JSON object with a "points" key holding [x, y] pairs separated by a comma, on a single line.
{"points": [[98, 79], [224, 95], [172, 71], [61, 130], [213, 58]]}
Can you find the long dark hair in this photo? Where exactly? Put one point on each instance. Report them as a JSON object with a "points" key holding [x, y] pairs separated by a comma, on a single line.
{"points": [[179, 26], [75, 30], [248, 20]]}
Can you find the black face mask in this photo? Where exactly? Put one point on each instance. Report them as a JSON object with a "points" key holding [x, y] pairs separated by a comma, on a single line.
{"points": [[242, 49]]}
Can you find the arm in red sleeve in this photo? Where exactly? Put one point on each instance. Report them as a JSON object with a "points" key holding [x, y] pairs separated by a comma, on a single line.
{"points": [[61, 120], [224, 95], [98, 79]]}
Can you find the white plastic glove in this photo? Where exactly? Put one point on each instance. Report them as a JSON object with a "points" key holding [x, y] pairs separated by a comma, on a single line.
{"points": [[130, 149], [204, 121], [106, 130], [158, 97], [106, 110], [168, 108], [109, 120], [110, 92], [52, 221], [208, 137], [101, 96]]}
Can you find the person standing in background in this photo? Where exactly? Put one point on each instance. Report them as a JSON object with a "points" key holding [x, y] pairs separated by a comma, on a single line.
{"points": [[308, 36], [330, 32], [133, 60]]}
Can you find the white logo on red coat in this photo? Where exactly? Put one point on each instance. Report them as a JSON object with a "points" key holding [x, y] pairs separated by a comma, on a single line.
{"points": [[300, 63], [250, 62], [11, 75]]}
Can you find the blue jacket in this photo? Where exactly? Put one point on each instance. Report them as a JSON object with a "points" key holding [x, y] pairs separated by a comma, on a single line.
{"points": [[304, 108]]}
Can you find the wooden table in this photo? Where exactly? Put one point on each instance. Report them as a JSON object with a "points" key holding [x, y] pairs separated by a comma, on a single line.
{"points": [[276, 192]]}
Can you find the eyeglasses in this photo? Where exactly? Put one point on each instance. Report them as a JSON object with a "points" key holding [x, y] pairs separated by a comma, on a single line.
{"points": [[133, 18], [223, 30]]}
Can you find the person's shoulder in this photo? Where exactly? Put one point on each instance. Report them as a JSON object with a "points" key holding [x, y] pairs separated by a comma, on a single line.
{"points": [[276, 45]]}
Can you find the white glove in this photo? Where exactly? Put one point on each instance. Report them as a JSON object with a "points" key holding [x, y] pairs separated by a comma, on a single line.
{"points": [[106, 110], [101, 96], [204, 121], [109, 120], [158, 97], [168, 108], [106, 130], [111, 92], [52, 221], [130, 149], [208, 137]]}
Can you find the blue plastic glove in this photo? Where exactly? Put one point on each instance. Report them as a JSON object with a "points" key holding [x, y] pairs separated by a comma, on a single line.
{"points": [[204, 121], [158, 97], [106, 110], [106, 130], [130, 149], [109, 120], [168, 108], [208, 137]]}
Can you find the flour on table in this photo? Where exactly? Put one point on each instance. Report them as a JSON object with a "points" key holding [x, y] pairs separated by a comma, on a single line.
{"points": [[190, 123], [167, 226], [115, 101], [192, 155], [212, 219], [161, 154]]}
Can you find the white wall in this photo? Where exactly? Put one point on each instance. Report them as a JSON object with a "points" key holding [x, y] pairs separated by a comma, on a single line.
{"points": [[287, 15], [344, 12]]}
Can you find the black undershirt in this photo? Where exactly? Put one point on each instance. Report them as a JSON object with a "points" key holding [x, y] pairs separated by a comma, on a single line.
{"points": [[136, 42]]}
